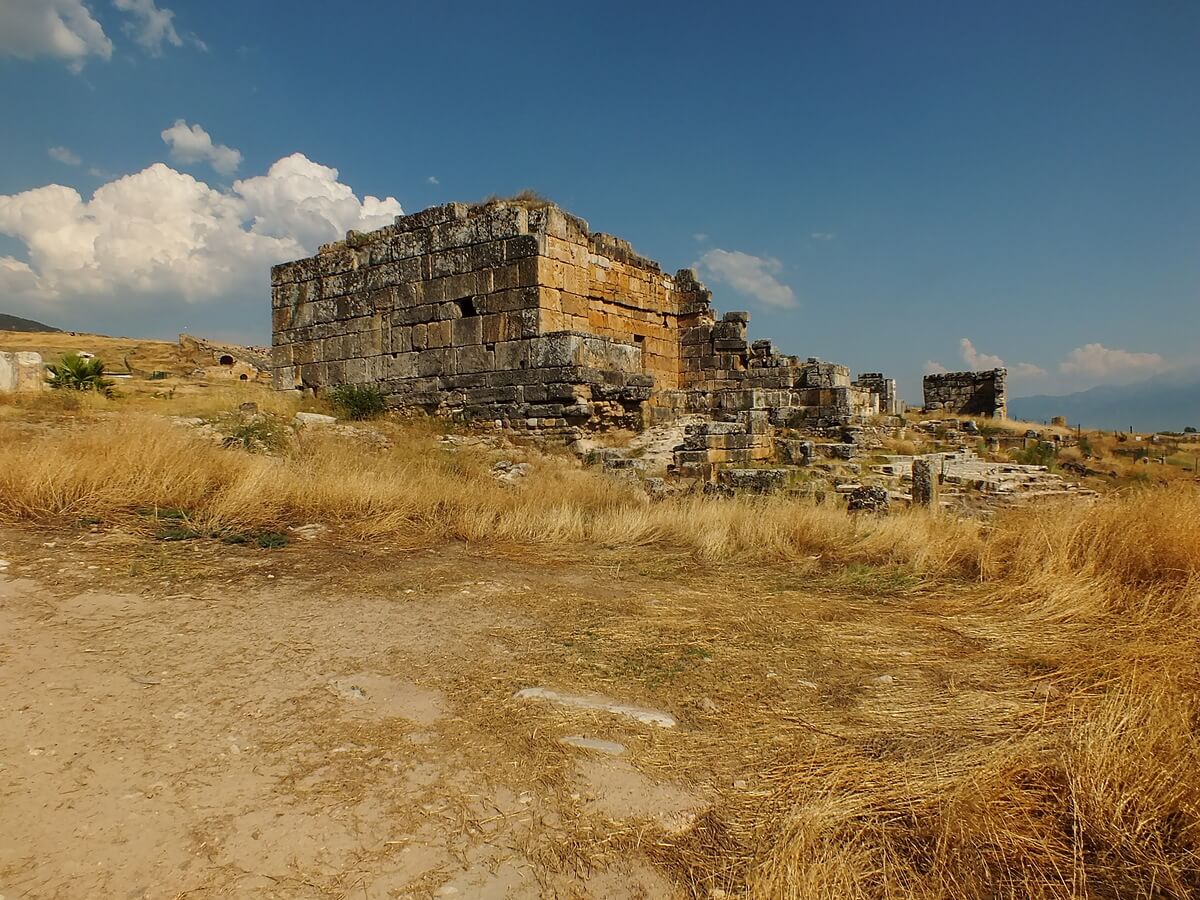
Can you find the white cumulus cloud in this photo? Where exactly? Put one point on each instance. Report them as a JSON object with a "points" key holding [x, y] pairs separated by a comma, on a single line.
{"points": [[750, 275], [64, 155], [60, 29], [976, 360], [303, 200], [192, 144], [160, 235], [150, 26], [1098, 361]]}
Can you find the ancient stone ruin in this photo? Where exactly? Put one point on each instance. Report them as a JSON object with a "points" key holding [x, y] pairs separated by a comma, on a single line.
{"points": [[515, 314], [968, 393], [223, 361], [21, 371]]}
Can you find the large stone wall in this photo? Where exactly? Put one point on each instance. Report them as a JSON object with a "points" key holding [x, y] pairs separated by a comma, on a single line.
{"points": [[517, 314], [968, 393], [499, 312]]}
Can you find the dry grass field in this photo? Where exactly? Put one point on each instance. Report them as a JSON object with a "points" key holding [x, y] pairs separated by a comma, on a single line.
{"points": [[901, 706]]}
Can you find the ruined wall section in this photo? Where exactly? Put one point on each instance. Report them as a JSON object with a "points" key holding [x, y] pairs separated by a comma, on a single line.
{"points": [[889, 396], [596, 284], [968, 393], [724, 371], [500, 313], [516, 313]]}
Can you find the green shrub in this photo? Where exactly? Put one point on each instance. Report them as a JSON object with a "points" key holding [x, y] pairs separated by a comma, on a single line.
{"points": [[358, 401], [74, 372], [1040, 454]]}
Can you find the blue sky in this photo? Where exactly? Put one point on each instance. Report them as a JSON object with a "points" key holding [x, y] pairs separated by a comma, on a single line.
{"points": [[893, 186]]}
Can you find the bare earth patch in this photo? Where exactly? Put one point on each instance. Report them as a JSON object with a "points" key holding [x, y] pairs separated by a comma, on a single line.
{"points": [[343, 719]]}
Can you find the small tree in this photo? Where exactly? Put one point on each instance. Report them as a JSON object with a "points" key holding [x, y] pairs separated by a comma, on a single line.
{"points": [[77, 373], [358, 401]]}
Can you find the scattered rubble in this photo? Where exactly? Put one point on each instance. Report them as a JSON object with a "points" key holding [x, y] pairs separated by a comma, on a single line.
{"points": [[509, 472]]}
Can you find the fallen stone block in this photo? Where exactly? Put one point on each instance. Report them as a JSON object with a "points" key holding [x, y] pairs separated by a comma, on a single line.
{"points": [[312, 419]]}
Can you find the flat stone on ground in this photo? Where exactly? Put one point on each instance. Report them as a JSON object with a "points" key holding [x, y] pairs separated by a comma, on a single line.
{"points": [[596, 701], [612, 748]]}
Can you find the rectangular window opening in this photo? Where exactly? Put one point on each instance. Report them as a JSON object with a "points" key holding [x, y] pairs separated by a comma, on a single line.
{"points": [[466, 306]]}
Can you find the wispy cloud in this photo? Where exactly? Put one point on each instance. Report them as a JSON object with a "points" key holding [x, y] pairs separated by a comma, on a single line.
{"points": [[700, 237], [65, 156], [754, 276], [823, 235], [191, 144], [1028, 370], [150, 26], [433, 179]]}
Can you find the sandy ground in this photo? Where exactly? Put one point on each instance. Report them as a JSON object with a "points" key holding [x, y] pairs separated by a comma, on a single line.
{"points": [[198, 720]]}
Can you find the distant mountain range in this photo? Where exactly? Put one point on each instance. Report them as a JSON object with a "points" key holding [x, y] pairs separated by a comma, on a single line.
{"points": [[16, 323], [1165, 403]]}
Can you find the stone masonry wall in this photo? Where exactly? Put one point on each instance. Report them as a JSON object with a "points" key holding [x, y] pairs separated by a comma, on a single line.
{"points": [[723, 370], [968, 393], [515, 313], [499, 312]]}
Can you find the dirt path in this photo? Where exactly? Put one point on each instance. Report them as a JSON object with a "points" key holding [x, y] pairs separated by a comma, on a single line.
{"points": [[209, 721]]}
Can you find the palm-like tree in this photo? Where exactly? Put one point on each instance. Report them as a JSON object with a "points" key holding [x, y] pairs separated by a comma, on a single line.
{"points": [[77, 373]]}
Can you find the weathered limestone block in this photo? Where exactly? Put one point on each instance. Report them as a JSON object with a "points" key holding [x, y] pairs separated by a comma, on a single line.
{"points": [[21, 372], [753, 481]]}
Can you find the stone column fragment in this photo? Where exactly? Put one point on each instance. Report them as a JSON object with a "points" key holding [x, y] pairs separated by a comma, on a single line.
{"points": [[924, 484]]}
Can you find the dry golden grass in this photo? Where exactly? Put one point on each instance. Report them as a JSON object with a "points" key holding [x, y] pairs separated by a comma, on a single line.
{"points": [[1092, 791], [108, 468]]}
